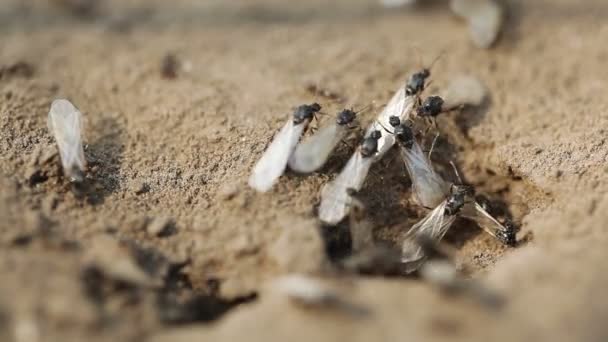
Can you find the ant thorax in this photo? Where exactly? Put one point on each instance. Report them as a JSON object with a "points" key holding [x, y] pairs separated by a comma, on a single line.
{"points": [[305, 112], [346, 117], [431, 106]]}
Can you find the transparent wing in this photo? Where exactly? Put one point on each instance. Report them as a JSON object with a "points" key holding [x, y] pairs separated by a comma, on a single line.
{"points": [[361, 229], [64, 122], [429, 188], [433, 226], [401, 106], [474, 211], [313, 152], [335, 201], [272, 164]]}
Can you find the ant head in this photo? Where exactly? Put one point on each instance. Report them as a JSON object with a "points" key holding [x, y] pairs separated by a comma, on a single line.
{"points": [[461, 189], [305, 112], [394, 121], [431, 106], [455, 201], [315, 107], [345, 117], [508, 237]]}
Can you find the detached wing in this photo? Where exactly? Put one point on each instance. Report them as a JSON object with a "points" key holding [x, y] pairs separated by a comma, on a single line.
{"points": [[335, 200], [429, 188], [64, 122], [475, 212], [313, 152], [433, 226], [274, 160], [401, 106]]}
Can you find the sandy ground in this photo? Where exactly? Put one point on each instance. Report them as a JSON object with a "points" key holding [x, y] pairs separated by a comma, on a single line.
{"points": [[173, 155]]}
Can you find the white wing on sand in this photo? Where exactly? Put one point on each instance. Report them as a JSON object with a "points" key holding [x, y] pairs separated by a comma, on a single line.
{"points": [[433, 226], [335, 200], [274, 160], [429, 188], [313, 152], [400, 106], [65, 123]]}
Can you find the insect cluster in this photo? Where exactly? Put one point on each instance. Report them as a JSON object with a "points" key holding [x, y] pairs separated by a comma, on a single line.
{"points": [[397, 124]]}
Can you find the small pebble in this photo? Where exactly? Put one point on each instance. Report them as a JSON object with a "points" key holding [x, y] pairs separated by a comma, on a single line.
{"points": [[34, 176], [244, 245], [485, 18], [115, 260], [140, 188], [300, 248], [464, 90], [169, 66], [159, 226], [398, 3], [228, 191]]}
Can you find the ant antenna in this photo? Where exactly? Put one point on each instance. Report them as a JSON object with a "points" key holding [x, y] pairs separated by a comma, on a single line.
{"points": [[456, 172], [365, 108], [433, 146], [436, 59], [419, 54]]}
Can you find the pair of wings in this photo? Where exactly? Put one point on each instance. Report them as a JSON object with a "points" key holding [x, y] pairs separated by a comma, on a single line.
{"points": [[274, 160], [400, 106], [429, 188], [436, 224], [433, 226], [65, 123], [335, 199], [313, 152], [475, 212]]}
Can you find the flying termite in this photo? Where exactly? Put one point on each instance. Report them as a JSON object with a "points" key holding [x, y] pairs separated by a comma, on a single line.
{"points": [[460, 201], [428, 186], [273, 162], [433, 227], [335, 197], [401, 105], [477, 212]]}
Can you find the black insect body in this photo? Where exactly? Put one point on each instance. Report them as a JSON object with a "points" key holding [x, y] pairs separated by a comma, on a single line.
{"points": [[305, 112], [274, 160], [431, 107], [346, 117], [454, 203], [402, 131], [369, 146], [416, 83]]}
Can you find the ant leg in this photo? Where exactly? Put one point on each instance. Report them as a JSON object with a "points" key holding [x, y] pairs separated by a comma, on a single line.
{"points": [[345, 143], [456, 172], [433, 145]]}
